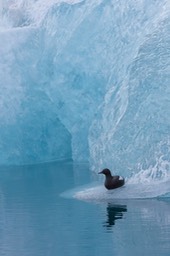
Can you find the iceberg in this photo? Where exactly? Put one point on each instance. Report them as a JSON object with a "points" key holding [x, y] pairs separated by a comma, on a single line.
{"points": [[86, 80]]}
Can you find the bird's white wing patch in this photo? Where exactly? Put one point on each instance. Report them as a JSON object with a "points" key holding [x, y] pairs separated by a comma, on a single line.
{"points": [[120, 178]]}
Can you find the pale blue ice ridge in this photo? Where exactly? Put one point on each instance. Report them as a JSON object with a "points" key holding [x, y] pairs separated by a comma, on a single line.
{"points": [[86, 80]]}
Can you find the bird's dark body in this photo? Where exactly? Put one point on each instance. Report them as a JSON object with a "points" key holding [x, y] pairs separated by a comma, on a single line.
{"points": [[112, 182]]}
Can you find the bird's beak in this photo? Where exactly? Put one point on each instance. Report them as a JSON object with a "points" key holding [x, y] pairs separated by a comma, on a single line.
{"points": [[100, 172]]}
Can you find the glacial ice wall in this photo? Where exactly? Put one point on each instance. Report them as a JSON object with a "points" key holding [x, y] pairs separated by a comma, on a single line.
{"points": [[30, 130], [135, 121], [87, 80]]}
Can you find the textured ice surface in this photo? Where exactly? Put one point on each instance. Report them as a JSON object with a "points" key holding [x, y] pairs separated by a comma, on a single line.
{"points": [[87, 80], [131, 190]]}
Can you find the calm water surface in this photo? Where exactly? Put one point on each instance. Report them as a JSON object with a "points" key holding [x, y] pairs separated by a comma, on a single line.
{"points": [[36, 220]]}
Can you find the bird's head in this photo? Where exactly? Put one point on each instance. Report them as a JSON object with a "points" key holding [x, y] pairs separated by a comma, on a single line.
{"points": [[106, 172]]}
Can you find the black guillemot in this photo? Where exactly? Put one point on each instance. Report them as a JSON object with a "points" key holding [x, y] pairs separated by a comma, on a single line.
{"points": [[112, 182]]}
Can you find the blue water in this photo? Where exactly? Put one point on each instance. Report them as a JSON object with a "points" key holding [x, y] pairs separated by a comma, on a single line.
{"points": [[36, 219]]}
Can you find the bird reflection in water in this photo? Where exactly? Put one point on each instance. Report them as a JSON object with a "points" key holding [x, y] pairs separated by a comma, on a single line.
{"points": [[114, 213]]}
